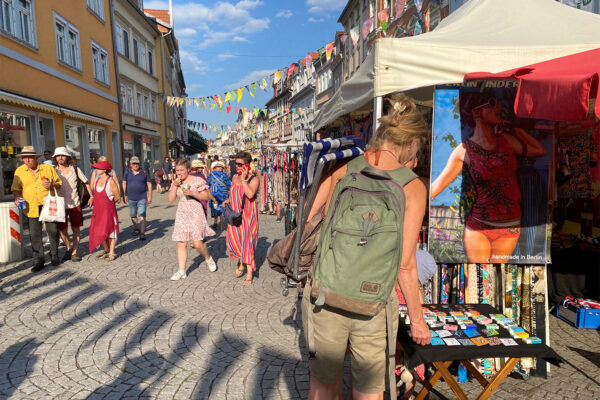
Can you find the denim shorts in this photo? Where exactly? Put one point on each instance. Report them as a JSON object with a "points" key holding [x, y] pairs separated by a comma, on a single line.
{"points": [[137, 208]]}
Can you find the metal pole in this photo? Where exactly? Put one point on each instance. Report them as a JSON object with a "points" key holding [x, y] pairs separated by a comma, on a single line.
{"points": [[118, 83]]}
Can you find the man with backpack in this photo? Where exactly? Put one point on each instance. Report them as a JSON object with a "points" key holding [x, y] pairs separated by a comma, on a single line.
{"points": [[374, 208], [167, 169], [137, 192]]}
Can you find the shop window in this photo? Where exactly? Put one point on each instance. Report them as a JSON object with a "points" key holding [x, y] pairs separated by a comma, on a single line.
{"points": [[17, 19], [97, 7], [47, 138], [100, 63], [67, 42], [96, 143], [15, 133], [74, 139]]}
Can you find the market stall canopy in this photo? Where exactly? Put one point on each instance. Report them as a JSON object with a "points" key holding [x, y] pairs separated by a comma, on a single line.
{"points": [[482, 35], [558, 89]]}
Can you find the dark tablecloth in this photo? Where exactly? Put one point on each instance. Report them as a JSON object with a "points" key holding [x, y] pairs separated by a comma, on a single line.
{"points": [[430, 353]]}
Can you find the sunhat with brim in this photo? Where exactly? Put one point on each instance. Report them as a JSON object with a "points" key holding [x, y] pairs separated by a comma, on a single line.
{"points": [[134, 160], [28, 151], [61, 151], [103, 165], [197, 164], [217, 164]]}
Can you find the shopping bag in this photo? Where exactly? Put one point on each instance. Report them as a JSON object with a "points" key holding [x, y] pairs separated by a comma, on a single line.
{"points": [[54, 209]]}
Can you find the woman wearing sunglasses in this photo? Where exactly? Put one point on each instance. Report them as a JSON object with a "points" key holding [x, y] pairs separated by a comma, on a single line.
{"points": [[493, 224], [241, 240]]}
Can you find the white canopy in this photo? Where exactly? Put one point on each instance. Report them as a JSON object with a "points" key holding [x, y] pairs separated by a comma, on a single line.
{"points": [[482, 35]]}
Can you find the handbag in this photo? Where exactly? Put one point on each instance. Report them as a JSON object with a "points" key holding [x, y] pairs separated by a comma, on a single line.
{"points": [[84, 196], [233, 217], [54, 209]]}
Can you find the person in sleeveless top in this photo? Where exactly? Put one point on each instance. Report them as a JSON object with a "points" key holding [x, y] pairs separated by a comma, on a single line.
{"points": [[493, 224], [242, 240], [399, 137], [104, 227], [95, 175], [190, 218]]}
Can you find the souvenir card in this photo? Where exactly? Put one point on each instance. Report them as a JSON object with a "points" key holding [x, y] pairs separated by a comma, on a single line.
{"points": [[443, 333], [532, 340], [480, 341], [505, 321], [440, 314], [513, 325], [508, 342], [433, 333], [460, 334], [471, 332], [484, 321], [458, 318], [466, 342], [452, 342], [451, 328], [477, 317], [436, 341], [516, 329], [435, 324], [492, 326], [494, 341], [462, 326], [471, 326], [521, 335], [489, 332], [496, 317], [457, 314], [429, 317], [471, 313], [445, 318]]}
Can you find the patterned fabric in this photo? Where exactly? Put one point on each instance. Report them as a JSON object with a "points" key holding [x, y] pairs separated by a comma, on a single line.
{"points": [[494, 175], [219, 187], [445, 285], [190, 219], [579, 156], [242, 240]]}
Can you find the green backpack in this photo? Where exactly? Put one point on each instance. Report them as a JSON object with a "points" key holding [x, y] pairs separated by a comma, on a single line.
{"points": [[360, 246]]}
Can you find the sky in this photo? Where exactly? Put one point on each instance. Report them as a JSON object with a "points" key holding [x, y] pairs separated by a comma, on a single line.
{"points": [[225, 45]]}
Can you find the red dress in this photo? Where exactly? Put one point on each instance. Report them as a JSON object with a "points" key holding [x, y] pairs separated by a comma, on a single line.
{"points": [[104, 217]]}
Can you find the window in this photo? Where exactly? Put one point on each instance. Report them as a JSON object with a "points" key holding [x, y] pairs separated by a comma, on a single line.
{"points": [[154, 110], [100, 63], [119, 36], [150, 63], [97, 7], [139, 104], [143, 55], [127, 94], [67, 42], [125, 43], [146, 107], [17, 19], [135, 51]]}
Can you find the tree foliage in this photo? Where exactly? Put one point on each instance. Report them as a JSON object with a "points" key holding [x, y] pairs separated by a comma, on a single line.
{"points": [[197, 143]]}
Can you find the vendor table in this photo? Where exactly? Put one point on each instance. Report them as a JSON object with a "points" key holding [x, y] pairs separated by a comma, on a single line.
{"points": [[442, 356]]}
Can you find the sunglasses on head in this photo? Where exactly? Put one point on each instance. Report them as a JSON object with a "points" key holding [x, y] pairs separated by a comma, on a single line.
{"points": [[492, 102], [239, 164]]}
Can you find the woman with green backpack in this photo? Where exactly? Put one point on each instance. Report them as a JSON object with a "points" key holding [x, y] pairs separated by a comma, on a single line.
{"points": [[373, 209]]}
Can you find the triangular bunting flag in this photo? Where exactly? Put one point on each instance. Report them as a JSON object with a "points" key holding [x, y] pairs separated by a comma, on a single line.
{"points": [[228, 109], [354, 35], [290, 70], [426, 21], [240, 92], [366, 27], [227, 96]]}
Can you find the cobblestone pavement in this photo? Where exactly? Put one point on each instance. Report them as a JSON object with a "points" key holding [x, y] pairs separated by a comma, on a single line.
{"points": [[122, 329]]}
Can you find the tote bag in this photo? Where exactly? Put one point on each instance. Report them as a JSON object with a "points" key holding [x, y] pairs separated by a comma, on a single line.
{"points": [[54, 209]]}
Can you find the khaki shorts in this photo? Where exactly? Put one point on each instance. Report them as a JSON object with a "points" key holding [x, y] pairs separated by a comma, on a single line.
{"points": [[334, 330]]}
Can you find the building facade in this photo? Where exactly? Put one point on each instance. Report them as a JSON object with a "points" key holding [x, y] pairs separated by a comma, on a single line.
{"points": [[170, 83], [135, 37], [302, 99], [279, 120], [58, 84]]}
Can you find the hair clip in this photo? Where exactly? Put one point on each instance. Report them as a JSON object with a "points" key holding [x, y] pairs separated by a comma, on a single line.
{"points": [[399, 107]]}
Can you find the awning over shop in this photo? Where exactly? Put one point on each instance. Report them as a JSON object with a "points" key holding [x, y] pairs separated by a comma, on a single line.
{"points": [[142, 131], [558, 89], [85, 117], [28, 102], [482, 35]]}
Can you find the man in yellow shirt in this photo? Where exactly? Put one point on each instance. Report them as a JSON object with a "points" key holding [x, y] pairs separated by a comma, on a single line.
{"points": [[32, 183]]}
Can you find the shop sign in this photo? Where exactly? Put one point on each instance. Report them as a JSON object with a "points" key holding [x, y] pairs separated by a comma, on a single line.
{"points": [[489, 179], [137, 122]]}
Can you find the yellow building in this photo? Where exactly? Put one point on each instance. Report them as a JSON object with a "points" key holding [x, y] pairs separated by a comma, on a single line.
{"points": [[57, 81]]}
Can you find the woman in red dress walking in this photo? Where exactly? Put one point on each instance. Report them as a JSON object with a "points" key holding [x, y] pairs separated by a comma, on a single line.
{"points": [[104, 227]]}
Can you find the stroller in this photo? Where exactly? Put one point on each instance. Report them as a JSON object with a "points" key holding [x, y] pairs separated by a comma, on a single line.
{"points": [[292, 256]]}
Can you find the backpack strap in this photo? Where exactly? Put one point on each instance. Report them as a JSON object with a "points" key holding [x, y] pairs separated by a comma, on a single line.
{"points": [[392, 304]]}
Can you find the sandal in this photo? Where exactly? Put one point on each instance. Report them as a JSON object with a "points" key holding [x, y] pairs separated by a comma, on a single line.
{"points": [[239, 271], [111, 256], [102, 256], [248, 281]]}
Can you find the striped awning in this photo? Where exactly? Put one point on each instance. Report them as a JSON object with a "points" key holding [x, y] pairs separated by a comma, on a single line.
{"points": [[85, 117], [27, 102]]}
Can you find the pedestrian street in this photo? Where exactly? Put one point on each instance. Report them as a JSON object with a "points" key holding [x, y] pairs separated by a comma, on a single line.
{"points": [[122, 329]]}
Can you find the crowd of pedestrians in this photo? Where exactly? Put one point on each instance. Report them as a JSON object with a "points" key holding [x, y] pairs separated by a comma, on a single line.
{"points": [[203, 188]]}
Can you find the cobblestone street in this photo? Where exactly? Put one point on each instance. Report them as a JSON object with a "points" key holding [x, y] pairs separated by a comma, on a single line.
{"points": [[122, 329]]}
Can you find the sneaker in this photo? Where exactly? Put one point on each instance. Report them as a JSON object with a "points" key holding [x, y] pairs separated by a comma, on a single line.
{"points": [[67, 256], [142, 237], [55, 261], [278, 220], [212, 265], [180, 274], [135, 232]]}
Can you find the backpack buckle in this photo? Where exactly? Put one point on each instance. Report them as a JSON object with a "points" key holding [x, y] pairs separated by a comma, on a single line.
{"points": [[362, 242]]}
